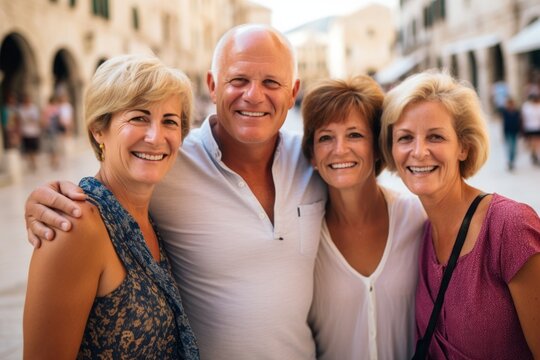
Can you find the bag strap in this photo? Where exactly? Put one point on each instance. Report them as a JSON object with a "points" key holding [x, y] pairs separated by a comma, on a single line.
{"points": [[422, 345]]}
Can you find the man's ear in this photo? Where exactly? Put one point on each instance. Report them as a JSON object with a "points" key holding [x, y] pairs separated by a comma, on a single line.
{"points": [[295, 90], [211, 84]]}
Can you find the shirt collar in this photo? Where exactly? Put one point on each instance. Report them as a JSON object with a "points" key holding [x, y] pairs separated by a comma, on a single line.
{"points": [[210, 144]]}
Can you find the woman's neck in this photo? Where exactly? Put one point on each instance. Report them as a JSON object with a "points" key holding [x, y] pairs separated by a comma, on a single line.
{"points": [[135, 198], [355, 205]]}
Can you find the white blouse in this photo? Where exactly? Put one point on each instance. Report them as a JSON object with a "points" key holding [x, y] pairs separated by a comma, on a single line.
{"points": [[358, 317]]}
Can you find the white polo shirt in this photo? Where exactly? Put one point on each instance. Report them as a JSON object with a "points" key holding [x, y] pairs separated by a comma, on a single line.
{"points": [[246, 284]]}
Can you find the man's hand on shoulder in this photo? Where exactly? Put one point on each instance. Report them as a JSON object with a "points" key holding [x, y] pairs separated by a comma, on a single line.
{"points": [[45, 207]]}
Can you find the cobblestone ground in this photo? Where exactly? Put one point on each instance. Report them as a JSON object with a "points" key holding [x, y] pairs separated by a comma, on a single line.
{"points": [[16, 251]]}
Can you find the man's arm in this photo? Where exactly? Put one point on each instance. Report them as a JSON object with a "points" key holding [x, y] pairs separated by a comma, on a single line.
{"points": [[45, 207]]}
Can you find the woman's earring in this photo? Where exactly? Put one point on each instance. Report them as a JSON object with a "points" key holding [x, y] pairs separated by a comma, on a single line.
{"points": [[102, 151]]}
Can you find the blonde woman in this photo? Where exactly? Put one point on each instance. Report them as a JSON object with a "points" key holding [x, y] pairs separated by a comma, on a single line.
{"points": [[433, 134], [105, 288]]}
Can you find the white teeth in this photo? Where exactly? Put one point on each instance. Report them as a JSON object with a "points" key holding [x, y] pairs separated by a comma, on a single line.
{"points": [[342, 165], [252, 113], [421, 169], [148, 156]]}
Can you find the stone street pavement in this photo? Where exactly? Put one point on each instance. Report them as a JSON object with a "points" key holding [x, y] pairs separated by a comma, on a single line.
{"points": [[16, 251], [522, 185]]}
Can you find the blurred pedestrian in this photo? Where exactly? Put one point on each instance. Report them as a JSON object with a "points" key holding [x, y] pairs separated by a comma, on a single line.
{"points": [[67, 126], [530, 112], [30, 130], [10, 123], [499, 95], [66, 113], [53, 130], [511, 117]]}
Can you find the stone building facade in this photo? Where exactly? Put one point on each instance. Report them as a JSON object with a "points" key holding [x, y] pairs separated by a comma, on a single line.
{"points": [[482, 41], [56, 45], [311, 43], [343, 46]]}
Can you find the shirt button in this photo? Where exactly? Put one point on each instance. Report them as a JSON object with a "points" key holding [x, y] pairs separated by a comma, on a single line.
{"points": [[262, 215], [241, 184]]}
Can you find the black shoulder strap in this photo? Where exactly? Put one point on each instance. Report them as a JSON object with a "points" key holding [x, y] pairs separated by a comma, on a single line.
{"points": [[422, 345]]}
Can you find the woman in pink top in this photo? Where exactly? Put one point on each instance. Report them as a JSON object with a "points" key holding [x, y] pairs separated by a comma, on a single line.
{"points": [[433, 133]]}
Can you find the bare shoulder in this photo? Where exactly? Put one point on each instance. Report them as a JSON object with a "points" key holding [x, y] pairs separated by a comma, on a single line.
{"points": [[90, 219], [63, 280], [484, 206], [84, 240]]}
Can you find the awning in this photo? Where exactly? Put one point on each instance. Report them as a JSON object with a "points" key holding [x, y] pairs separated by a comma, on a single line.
{"points": [[465, 45], [398, 68], [526, 40]]}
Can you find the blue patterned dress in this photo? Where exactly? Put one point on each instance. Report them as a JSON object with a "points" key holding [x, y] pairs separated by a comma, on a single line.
{"points": [[143, 318]]}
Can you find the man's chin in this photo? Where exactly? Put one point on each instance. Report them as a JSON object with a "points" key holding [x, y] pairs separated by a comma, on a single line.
{"points": [[254, 138]]}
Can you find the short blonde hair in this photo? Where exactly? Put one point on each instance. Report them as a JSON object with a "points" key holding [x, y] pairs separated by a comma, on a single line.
{"points": [[333, 100], [457, 97], [131, 81]]}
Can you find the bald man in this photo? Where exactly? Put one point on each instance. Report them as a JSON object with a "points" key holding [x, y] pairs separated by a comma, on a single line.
{"points": [[240, 212]]}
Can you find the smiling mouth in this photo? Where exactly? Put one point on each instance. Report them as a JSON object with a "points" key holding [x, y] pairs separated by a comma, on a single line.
{"points": [[150, 157], [344, 165], [252, 113], [421, 169]]}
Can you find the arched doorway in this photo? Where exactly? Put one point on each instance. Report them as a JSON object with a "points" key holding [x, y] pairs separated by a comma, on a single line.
{"points": [[534, 56], [534, 60], [454, 69], [473, 71], [67, 81], [18, 68], [499, 72], [18, 77], [100, 61]]}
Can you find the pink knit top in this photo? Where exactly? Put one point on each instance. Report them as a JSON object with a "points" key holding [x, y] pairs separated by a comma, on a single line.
{"points": [[478, 319]]}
